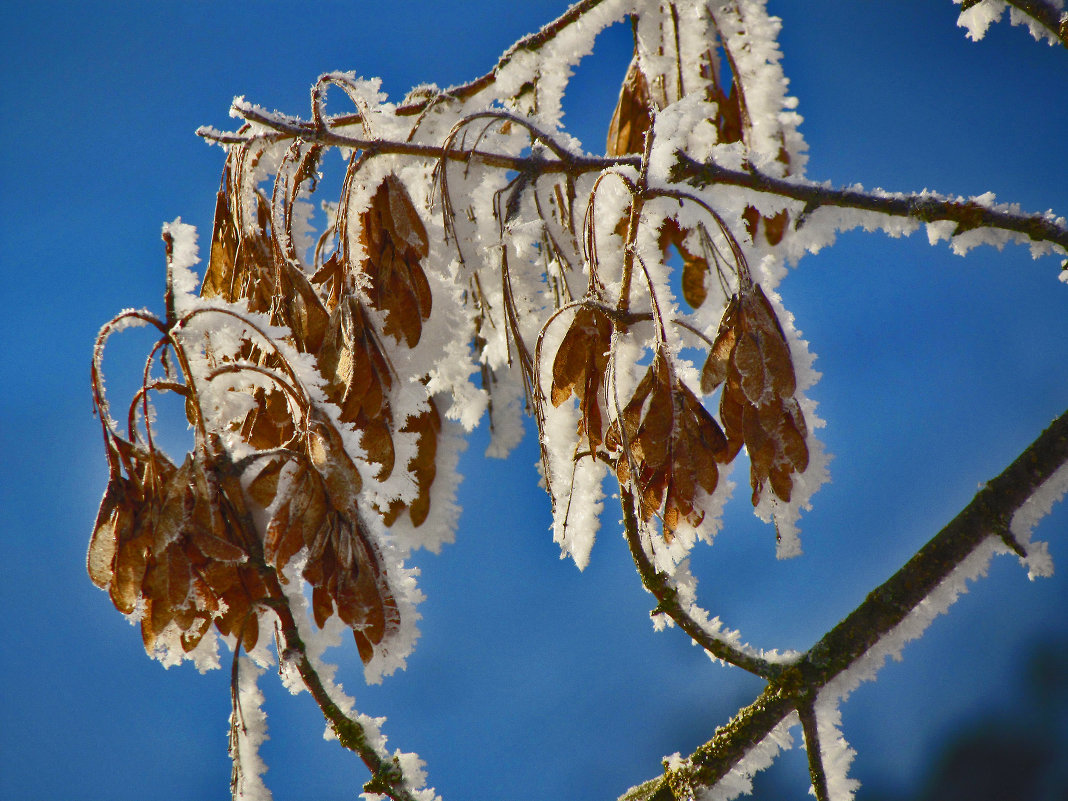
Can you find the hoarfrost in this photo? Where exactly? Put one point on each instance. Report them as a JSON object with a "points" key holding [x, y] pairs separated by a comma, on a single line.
{"points": [[249, 725], [979, 17], [739, 781], [184, 255], [1038, 560], [685, 584], [836, 755]]}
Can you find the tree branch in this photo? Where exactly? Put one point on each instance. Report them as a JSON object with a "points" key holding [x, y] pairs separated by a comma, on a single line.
{"points": [[386, 776], [817, 773], [286, 127], [1045, 14], [968, 215], [925, 208], [988, 514], [667, 598]]}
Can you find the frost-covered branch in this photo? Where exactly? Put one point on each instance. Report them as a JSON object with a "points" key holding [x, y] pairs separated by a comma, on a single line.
{"points": [[989, 514], [667, 597], [285, 127], [1048, 18], [816, 770], [923, 207], [1047, 14], [967, 215], [387, 776]]}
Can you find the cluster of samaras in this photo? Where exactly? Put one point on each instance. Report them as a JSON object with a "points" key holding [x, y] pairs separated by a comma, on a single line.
{"points": [[277, 485], [663, 443], [184, 542]]}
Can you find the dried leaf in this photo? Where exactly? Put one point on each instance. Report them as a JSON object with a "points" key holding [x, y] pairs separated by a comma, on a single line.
{"points": [[580, 366], [714, 372], [423, 467], [115, 523], [633, 115], [694, 267], [757, 406], [241, 261], [395, 241]]}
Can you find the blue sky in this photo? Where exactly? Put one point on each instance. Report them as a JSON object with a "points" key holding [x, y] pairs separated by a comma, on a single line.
{"points": [[531, 680]]}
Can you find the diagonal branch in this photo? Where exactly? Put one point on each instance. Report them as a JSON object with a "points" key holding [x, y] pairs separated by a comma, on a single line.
{"points": [[988, 514], [924, 208], [1045, 14], [387, 777]]}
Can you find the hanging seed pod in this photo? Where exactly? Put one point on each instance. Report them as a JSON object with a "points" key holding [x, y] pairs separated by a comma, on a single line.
{"points": [[580, 366], [751, 358], [667, 446], [395, 241], [633, 115]]}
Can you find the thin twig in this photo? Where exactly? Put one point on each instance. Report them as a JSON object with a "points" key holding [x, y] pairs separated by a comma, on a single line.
{"points": [[667, 597], [817, 773]]}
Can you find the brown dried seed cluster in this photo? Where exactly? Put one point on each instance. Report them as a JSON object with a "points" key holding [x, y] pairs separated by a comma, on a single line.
{"points": [[329, 319], [314, 506], [664, 442], [580, 366], [396, 243], [173, 541], [758, 408], [179, 542], [668, 446]]}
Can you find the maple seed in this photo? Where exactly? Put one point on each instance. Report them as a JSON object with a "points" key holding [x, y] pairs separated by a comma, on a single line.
{"points": [[395, 241], [667, 446], [633, 115], [580, 366], [751, 358]]}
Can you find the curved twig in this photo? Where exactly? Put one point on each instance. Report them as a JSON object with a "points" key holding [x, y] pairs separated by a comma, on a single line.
{"points": [[667, 601]]}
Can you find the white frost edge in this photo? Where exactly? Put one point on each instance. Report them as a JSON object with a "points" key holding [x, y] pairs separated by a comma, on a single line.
{"points": [[1038, 561], [739, 781], [251, 728], [977, 19], [836, 755]]}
